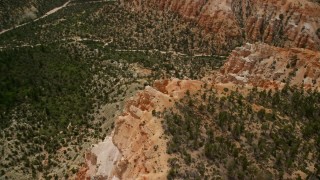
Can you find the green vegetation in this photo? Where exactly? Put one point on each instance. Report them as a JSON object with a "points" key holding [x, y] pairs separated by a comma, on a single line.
{"points": [[261, 136], [59, 73], [16, 12], [47, 79], [108, 21]]}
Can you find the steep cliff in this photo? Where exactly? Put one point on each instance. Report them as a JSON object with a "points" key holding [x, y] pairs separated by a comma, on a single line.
{"points": [[138, 147], [268, 66], [285, 23]]}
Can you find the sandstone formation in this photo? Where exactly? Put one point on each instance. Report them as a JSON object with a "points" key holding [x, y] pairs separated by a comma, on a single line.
{"points": [[268, 66], [138, 147]]}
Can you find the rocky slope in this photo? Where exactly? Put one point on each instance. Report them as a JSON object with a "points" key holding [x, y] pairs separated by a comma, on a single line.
{"points": [[285, 23], [138, 146], [268, 66]]}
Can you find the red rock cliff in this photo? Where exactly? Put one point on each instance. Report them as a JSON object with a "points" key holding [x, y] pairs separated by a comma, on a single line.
{"points": [[268, 66]]}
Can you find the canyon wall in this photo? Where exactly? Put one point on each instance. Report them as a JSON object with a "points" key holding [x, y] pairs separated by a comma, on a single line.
{"points": [[268, 66]]}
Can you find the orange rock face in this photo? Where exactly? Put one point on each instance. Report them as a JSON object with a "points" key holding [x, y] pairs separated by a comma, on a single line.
{"points": [[138, 136], [268, 66], [284, 23]]}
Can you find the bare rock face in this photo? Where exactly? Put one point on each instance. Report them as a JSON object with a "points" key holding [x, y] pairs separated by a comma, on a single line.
{"points": [[283, 23], [137, 148], [268, 66], [139, 133], [138, 137]]}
